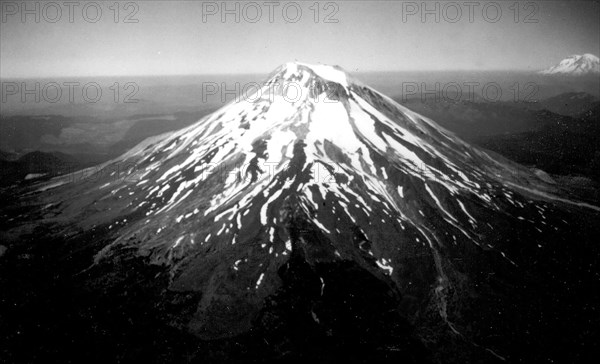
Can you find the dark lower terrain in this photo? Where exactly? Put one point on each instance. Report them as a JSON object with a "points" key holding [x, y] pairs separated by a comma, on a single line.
{"points": [[122, 312], [565, 147], [56, 309], [48, 160], [562, 142], [40, 165]]}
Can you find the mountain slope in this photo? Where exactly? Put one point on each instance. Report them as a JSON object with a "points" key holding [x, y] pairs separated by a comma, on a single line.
{"points": [[320, 174]]}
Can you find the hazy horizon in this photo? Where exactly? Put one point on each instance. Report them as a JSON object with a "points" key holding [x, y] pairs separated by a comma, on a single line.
{"points": [[263, 75], [181, 38]]}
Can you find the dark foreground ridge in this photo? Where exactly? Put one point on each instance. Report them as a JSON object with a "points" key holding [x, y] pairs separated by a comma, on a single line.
{"points": [[54, 310], [122, 312]]}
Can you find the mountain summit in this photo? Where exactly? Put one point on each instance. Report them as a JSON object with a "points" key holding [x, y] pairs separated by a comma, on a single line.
{"points": [[319, 180], [576, 65]]}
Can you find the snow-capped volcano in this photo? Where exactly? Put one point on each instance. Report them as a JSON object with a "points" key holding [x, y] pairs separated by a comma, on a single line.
{"points": [[576, 65], [316, 164]]}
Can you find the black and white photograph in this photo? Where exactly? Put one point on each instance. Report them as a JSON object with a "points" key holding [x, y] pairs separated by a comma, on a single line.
{"points": [[299, 181]]}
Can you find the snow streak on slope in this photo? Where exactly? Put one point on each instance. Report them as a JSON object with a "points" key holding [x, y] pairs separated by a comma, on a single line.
{"points": [[370, 181]]}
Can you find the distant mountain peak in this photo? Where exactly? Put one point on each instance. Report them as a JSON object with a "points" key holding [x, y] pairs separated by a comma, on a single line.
{"points": [[576, 65]]}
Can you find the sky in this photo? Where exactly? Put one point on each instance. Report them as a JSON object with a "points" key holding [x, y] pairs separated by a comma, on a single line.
{"points": [[50, 39]]}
